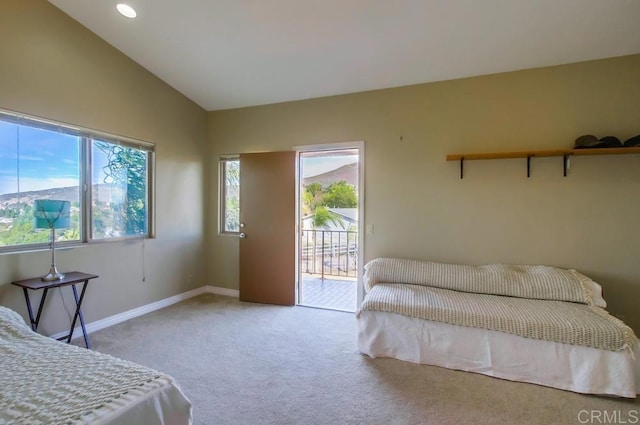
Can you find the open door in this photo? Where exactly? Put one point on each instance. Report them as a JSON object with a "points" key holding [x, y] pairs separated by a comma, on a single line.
{"points": [[329, 221], [268, 227]]}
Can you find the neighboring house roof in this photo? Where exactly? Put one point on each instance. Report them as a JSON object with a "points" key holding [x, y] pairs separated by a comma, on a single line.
{"points": [[347, 216]]}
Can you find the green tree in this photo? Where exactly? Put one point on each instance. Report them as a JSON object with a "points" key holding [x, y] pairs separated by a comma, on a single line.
{"points": [[232, 195], [311, 198], [322, 216], [340, 195], [127, 167], [314, 205], [316, 201], [232, 216], [22, 229]]}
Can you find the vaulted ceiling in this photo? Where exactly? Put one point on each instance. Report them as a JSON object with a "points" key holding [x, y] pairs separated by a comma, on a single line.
{"points": [[233, 53]]}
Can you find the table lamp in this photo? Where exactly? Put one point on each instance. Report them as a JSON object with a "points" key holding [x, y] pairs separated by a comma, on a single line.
{"points": [[52, 214]]}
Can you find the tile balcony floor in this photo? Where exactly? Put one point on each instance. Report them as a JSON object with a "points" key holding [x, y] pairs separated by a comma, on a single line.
{"points": [[334, 293]]}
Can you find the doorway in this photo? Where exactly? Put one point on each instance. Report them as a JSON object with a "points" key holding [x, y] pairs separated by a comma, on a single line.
{"points": [[329, 219]]}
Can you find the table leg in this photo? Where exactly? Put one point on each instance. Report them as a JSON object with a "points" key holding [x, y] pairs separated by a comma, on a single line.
{"points": [[79, 314], [36, 321], [29, 310], [40, 308]]}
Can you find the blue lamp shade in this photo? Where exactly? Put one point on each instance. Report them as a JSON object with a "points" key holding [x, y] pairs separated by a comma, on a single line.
{"points": [[51, 214]]}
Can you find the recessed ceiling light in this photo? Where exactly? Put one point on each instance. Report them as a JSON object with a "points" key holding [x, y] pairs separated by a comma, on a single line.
{"points": [[126, 10]]}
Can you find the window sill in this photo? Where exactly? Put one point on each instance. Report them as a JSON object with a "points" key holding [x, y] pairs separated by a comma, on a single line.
{"points": [[60, 246]]}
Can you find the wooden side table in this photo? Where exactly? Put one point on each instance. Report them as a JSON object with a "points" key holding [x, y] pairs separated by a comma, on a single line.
{"points": [[71, 278]]}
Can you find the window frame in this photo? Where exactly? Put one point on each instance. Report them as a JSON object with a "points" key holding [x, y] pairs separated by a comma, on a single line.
{"points": [[86, 137], [222, 191]]}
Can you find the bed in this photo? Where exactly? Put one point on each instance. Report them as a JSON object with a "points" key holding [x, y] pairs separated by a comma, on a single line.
{"points": [[44, 381], [535, 324]]}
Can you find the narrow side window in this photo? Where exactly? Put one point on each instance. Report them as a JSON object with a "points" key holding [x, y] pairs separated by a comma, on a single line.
{"points": [[229, 195]]}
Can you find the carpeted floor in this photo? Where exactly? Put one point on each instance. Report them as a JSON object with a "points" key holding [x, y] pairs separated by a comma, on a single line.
{"points": [[243, 363]]}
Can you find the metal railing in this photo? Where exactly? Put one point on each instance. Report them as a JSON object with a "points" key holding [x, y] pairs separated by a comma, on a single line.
{"points": [[329, 252]]}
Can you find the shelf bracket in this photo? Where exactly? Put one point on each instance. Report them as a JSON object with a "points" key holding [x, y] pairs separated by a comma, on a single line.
{"points": [[529, 165], [461, 168], [565, 163]]}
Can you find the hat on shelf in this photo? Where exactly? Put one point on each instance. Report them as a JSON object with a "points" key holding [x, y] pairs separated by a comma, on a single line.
{"points": [[634, 141], [611, 142], [586, 141], [591, 141]]}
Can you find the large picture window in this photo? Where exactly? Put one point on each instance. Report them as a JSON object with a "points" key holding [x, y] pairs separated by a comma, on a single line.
{"points": [[106, 178]]}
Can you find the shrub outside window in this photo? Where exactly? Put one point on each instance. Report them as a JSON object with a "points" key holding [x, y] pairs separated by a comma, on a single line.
{"points": [[119, 191], [106, 178]]}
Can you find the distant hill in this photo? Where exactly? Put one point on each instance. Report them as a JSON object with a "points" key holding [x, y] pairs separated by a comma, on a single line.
{"points": [[348, 173], [63, 193], [70, 193]]}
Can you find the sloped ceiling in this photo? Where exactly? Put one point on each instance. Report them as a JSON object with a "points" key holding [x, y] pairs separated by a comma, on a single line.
{"points": [[233, 53]]}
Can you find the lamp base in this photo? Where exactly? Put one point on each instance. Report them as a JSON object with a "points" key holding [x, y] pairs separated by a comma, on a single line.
{"points": [[53, 275]]}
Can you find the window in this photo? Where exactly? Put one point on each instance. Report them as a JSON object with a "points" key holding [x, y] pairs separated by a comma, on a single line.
{"points": [[45, 160], [119, 190], [229, 195]]}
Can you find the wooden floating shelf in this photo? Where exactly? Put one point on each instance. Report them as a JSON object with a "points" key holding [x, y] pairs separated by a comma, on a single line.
{"points": [[542, 153], [565, 153]]}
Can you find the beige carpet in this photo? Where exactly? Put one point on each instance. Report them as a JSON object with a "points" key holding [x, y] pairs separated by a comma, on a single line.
{"points": [[242, 363]]}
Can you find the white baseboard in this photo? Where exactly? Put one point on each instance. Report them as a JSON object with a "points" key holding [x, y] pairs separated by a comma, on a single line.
{"points": [[139, 311], [222, 291]]}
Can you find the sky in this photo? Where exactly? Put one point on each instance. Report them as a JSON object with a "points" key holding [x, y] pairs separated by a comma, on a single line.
{"points": [[35, 159]]}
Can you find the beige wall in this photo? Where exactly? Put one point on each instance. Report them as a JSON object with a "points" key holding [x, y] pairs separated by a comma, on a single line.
{"points": [[416, 201], [54, 68]]}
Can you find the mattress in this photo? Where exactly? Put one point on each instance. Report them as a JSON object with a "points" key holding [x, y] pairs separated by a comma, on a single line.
{"points": [[44, 381], [569, 367]]}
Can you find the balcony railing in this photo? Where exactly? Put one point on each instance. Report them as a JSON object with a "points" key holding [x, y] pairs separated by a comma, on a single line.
{"points": [[329, 252]]}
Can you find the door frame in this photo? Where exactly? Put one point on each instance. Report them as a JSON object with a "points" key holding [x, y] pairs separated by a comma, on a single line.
{"points": [[361, 225]]}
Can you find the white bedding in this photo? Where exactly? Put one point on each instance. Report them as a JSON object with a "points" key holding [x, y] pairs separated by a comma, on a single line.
{"points": [[44, 381], [163, 405], [569, 367]]}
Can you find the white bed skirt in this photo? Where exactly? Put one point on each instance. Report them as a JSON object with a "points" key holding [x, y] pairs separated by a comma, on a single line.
{"points": [[568, 367]]}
